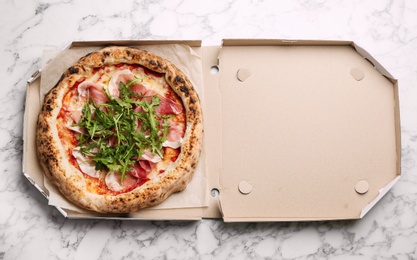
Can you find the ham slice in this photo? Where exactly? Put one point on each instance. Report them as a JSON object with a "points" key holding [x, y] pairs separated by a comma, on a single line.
{"points": [[96, 91], [146, 165], [138, 88], [174, 136], [113, 181], [148, 156], [124, 76], [167, 106], [77, 129], [173, 144], [141, 169], [148, 95], [112, 141], [120, 76], [76, 114], [87, 166]]}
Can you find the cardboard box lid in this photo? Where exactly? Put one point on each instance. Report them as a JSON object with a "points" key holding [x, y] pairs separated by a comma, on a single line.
{"points": [[309, 131]]}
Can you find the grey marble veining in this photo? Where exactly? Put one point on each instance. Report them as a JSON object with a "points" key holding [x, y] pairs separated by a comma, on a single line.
{"points": [[30, 229]]}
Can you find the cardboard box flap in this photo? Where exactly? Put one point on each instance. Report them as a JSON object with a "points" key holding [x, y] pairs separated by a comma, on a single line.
{"points": [[308, 132]]}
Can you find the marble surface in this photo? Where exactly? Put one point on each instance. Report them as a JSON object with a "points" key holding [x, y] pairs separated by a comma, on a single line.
{"points": [[29, 227]]}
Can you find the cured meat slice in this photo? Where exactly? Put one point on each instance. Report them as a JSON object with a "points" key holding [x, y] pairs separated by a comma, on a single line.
{"points": [[174, 136], [94, 90], [87, 165], [114, 183], [141, 169]]}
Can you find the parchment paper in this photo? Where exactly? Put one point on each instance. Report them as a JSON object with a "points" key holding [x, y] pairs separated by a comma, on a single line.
{"points": [[187, 60]]}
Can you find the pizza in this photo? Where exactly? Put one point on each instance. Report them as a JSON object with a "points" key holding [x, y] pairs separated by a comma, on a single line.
{"points": [[120, 131]]}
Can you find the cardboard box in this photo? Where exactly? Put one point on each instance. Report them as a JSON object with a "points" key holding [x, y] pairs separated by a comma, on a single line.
{"points": [[294, 130]]}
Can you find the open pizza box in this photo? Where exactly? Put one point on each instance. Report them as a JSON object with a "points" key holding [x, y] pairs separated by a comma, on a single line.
{"points": [[294, 130]]}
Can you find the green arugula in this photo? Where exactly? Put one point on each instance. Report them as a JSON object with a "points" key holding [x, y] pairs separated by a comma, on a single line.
{"points": [[117, 121]]}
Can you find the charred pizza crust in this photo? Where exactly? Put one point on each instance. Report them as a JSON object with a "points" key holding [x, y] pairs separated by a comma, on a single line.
{"points": [[70, 181]]}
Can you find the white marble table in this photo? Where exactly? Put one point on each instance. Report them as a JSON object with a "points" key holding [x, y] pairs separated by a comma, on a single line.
{"points": [[30, 229]]}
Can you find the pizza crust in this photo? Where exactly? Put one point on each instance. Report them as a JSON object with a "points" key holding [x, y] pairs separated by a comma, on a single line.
{"points": [[70, 181]]}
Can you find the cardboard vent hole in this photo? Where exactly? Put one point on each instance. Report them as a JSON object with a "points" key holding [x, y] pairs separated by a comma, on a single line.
{"points": [[214, 192], [362, 187], [214, 70], [357, 74]]}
